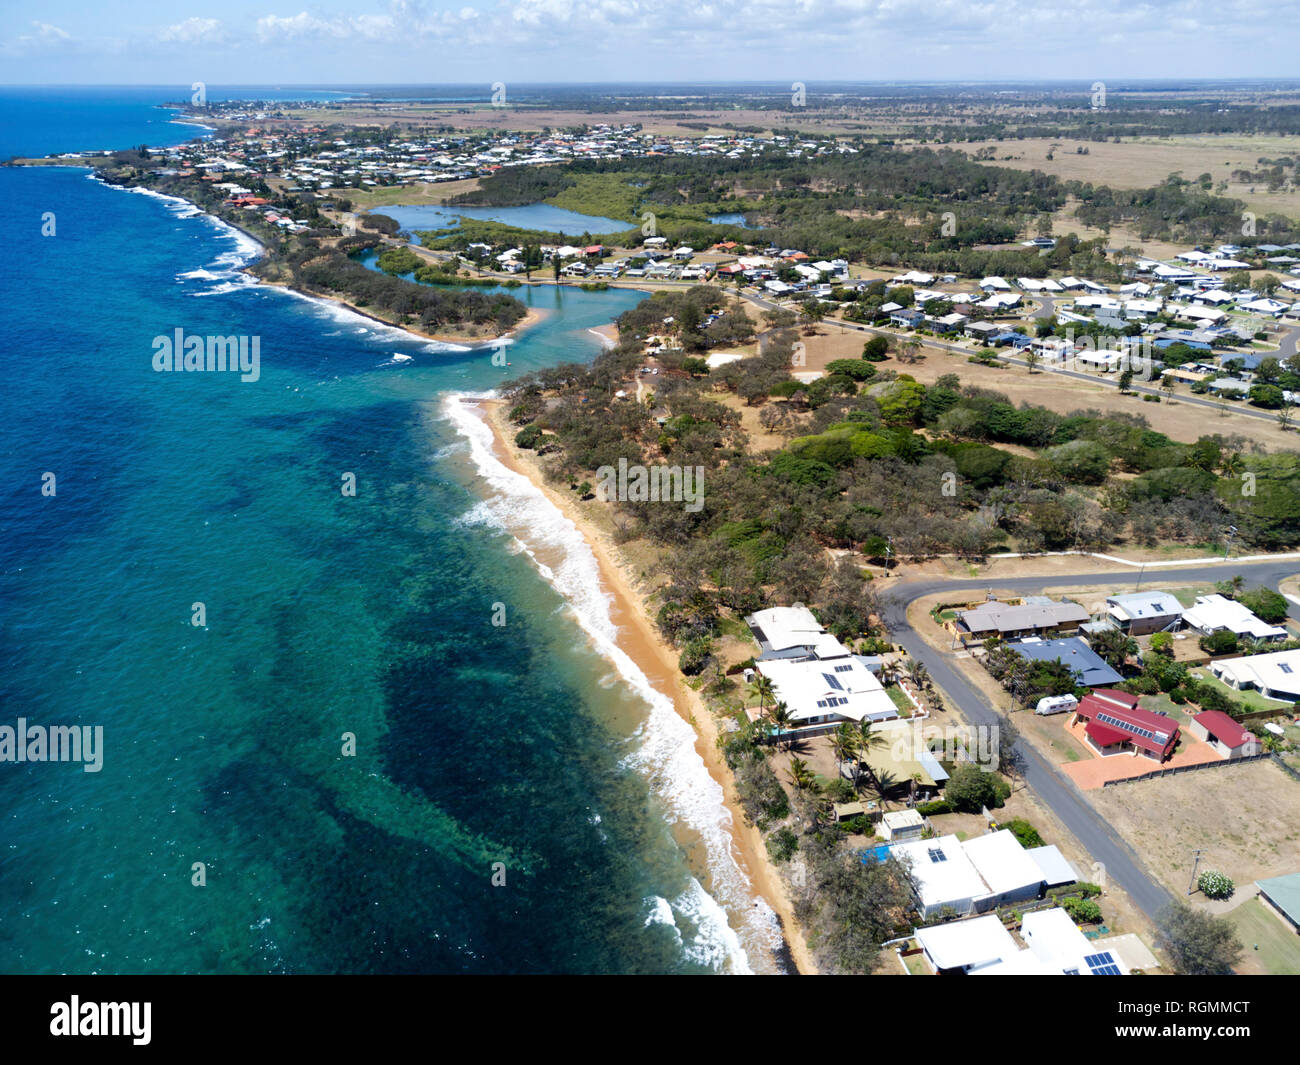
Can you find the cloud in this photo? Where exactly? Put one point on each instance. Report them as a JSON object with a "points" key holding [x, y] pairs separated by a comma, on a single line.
{"points": [[194, 31]]}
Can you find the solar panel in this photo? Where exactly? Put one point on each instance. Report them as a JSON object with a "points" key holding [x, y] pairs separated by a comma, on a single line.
{"points": [[1102, 964], [937, 855], [833, 682]]}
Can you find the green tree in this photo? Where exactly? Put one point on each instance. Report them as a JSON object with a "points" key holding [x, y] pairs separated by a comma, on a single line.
{"points": [[969, 788], [1197, 943]]}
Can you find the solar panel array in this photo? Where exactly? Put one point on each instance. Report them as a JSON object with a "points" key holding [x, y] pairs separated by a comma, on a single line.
{"points": [[1102, 964]]}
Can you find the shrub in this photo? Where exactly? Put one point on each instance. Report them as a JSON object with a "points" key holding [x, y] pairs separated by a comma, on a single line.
{"points": [[1222, 642], [1026, 833], [1082, 910], [938, 806], [1087, 890], [695, 655], [782, 844], [1215, 885], [1163, 644], [528, 437]]}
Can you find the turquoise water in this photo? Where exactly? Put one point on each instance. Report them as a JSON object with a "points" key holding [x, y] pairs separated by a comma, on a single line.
{"points": [[531, 749], [541, 216]]}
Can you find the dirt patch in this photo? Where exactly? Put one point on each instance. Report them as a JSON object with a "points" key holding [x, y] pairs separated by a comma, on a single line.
{"points": [[1245, 819]]}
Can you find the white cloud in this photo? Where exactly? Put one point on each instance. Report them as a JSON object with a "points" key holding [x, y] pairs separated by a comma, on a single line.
{"points": [[194, 31]]}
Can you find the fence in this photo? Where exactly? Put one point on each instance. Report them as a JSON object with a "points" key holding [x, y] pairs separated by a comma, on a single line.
{"points": [[1174, 770]]}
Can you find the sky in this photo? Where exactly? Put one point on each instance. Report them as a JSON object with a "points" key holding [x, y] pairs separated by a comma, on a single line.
{"points": [[355, 42]]}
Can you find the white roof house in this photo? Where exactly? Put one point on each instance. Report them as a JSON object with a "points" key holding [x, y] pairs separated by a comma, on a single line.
{"points": [[1053, 865], [1211, 613], [1142, 610], [983, 947], [967, 945], [792, 632], [817, 691], [1001, 301], [942, 875], [972, 876], [1054, 938], [1276, 675], [995, 284], [1003, 863]]}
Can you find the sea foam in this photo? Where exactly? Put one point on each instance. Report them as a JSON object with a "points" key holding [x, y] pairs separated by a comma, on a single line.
{"points": [[664, 752]]}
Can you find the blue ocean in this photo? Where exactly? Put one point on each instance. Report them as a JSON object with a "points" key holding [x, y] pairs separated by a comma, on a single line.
{"points": [[345, 765]]}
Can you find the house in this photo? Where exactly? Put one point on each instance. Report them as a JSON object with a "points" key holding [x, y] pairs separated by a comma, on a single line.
{"points": [[949, 323], [1034, 616], [1001, 301], [984, 331], [971, 876], [901, 825], [1214, 613], [982, 946], [1227, 738], [966, 946], [814, 674], [819, 692], [995, 284], [1116, 724], [1275, 675], [1282, 894], [1055, 940], [1089, 668], [792, 632], [1140, 613], [906, 318]]}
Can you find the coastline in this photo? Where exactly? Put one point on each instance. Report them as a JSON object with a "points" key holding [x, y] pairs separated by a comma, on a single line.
{"points": [[531, 317], [630, 613]]}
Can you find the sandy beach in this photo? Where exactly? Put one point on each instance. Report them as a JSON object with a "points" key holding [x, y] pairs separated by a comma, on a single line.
{"points": [[630, 612]]}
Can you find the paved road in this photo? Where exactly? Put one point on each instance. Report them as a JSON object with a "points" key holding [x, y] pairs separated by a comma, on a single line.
{"points": [[1053, 787]]}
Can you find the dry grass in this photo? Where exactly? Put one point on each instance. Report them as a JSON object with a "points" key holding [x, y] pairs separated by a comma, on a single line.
{"points": [[1143, 162], [1244, 818]]}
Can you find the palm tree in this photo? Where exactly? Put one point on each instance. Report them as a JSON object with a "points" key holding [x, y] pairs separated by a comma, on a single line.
{"points": [[845, 741], [868, 741], [779, 715], [917, 673], [805, 782], [761, 687]]}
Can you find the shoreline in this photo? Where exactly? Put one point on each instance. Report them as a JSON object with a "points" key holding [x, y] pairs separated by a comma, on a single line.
{"points": [[658, 661], [532, 315]]}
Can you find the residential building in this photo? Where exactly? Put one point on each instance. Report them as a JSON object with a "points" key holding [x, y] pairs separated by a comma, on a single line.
{"points": [[1034, 616], [973, 876], [1116, 724], [1275, 675], [1214, 613], [1224, 736], [1282, 894], [1140, 613]]}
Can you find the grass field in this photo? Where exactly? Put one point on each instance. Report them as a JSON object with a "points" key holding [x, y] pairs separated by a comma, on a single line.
{"points": [[1279, 946], [1145, 161], [1249, 698]]}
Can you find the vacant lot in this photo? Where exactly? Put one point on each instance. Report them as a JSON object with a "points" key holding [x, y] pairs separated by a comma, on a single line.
{"points": [[1244, 818], [1143, 162], [1179, 421]]}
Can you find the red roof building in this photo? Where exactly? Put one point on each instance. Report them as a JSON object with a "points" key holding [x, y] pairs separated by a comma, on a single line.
{"points": [[1116, 723], [1225, 736]]}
